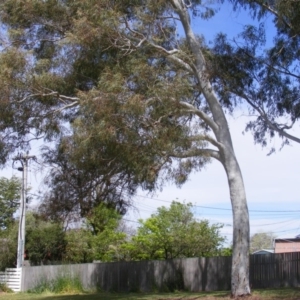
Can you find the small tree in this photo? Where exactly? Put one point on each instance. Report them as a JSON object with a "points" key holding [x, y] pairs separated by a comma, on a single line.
{"points": [[173, 233]]}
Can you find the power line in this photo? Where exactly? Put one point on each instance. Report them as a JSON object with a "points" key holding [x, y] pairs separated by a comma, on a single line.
{"points": [[225, 209], [286, 221], [130, 221]]}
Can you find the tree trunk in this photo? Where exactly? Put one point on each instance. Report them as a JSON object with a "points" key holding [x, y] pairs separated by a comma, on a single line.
{"points": [[240, 260], [240, 257]]}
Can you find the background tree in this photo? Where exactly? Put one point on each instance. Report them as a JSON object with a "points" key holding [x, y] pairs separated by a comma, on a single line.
{"points": [[8, 246], [99, 237], [9, 200], [261, 240], [103, 223], [9, 203], [81, 179], [79, 247], [174, 233], [45, 240]]}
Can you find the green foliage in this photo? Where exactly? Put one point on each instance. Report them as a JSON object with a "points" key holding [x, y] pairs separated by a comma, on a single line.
{"points": [[9, 203], [264, 75], [108, 246], [99, 75], [103, 218], [226, 251], [175, 233], [99, 239], [63, 284], [9, 200], [8, 246], [45, 240], [79, 246], [261, 240], [106, 239], [4, 288]]}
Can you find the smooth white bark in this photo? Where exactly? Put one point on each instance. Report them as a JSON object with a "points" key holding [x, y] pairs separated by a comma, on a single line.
{"points": [[240, 260]]}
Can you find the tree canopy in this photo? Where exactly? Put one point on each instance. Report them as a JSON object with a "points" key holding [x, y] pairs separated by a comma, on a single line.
{"points": [[262, 73]]}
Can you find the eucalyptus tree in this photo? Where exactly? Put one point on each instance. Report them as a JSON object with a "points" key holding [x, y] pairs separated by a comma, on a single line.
{"points": [[136, 95], [261, 68]]}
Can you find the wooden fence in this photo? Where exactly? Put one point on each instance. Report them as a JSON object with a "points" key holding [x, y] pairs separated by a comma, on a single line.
{"points": [[192, 274], [275, 270], [12, 278]]}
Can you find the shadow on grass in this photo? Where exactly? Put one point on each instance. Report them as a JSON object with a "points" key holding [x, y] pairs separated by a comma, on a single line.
{"points": [[289, 293], [141, 296], [265, 294]]}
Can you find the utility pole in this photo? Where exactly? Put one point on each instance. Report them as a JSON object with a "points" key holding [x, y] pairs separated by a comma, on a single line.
{"points": [[21, 235]]}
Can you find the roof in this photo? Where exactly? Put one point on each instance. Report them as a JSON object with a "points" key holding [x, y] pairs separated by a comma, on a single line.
{"points": [[287, 240], [263, 251]]}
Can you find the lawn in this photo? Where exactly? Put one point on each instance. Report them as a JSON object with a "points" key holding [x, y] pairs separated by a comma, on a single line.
{"points": [[266, 294]]}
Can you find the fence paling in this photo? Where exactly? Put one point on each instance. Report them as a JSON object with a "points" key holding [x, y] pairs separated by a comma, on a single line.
{"points": [[2, 277], [12, 278], [275, 270]]}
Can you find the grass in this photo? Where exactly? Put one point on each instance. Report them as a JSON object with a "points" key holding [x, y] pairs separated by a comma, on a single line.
{"points": [[266, 294], [63, 284], [5, 289]]}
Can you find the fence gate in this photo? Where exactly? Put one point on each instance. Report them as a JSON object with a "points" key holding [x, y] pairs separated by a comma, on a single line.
{"points": [[12, 278]]}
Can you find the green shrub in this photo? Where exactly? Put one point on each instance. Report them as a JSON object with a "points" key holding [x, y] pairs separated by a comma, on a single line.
{"points": [[61, 284], [4, 288]]}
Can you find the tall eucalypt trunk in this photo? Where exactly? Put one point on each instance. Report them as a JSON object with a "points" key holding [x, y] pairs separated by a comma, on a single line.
{"points": [[218, 123]]}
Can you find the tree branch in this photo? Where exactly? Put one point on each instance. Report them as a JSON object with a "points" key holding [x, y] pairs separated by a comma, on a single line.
{"points": [[207, 138], [70, 105], [195, 152], [274, 12], [170, 54], [272, 125], [202, 115]]}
